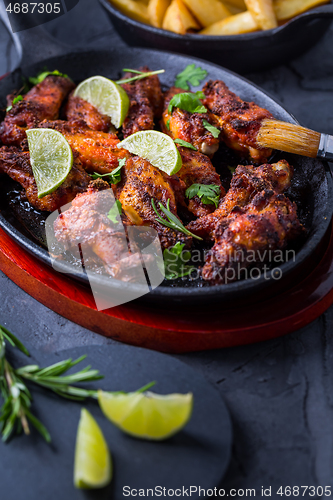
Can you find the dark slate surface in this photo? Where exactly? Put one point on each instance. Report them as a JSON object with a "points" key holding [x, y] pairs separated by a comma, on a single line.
{"points": [[279, 393]]}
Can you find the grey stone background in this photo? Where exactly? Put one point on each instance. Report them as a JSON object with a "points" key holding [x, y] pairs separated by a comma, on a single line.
{"points": [[280, 392]]}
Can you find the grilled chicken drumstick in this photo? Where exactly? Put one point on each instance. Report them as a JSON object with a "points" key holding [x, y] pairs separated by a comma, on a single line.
{"points": [[239, 120], [42, 102], [16, 164]]}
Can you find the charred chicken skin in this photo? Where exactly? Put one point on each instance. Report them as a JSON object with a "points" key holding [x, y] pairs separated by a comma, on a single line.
{"points": [[187, 126], [16, 164], [96, 150], [141, 183], [146, 101], [42, 102], [239, 120], [79, 110], [86, 223]]}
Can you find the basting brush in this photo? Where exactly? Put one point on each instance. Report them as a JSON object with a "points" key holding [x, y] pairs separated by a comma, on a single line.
{"points": [[292, 138]]}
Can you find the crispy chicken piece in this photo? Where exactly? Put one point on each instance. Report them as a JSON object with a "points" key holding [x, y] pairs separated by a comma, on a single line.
{"points": [[42, 102], [96, 150], [17, 165], [198, 169], [239, 120], [268, 223], [188, 126], [87, 223], [246, 182], [141, 182], [146, 101], [78, 109]]}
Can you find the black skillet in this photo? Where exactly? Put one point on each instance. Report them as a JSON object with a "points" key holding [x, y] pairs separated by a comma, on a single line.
{"points": [[241, 53], [312, 184]]}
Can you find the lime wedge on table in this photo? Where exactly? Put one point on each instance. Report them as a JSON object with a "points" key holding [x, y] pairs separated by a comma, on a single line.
{"points": [[147, 415], [51, 158], [156, 147], [93, 465], [107, 96]]}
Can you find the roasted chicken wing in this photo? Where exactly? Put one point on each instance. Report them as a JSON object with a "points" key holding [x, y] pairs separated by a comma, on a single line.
{"points": [[79, 110], [16, 164], [187, 126], [42, 102], [239, 120]]}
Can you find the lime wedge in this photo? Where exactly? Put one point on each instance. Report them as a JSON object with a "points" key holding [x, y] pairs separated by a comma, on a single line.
{"points": [[51, 158], [92, 465], [107, 96], [147, 415], [156, 147]]}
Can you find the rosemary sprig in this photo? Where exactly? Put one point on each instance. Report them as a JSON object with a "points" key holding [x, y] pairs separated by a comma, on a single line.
{"points": [[173, 222], [140, 75]]}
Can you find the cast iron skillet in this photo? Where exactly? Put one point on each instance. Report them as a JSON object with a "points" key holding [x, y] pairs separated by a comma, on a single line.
{"points": [[312, 184], [241, 53]]}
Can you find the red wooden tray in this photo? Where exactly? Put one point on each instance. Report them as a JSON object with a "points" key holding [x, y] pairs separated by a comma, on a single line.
{"points": [[175, 331]]}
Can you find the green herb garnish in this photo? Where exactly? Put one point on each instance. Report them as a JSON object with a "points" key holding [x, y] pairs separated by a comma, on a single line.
{"points": [[191, 74], [188, 102], [140, 75], [168, 124], [172, 221], [112, 177], [175, 262], [15, 100], [114, 212], [15, 414], [209, 194], [232, 169], [213, 130], [185, 144], [43, 74]]}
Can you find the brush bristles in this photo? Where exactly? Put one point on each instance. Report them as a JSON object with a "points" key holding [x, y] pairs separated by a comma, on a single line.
{"points": [[289, 138]]}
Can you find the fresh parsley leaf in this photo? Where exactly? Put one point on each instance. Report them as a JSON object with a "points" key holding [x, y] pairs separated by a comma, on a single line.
{"points": [[15, 100], [114, 212], [112, 177], [185, 144], [209, 194], [168, 124], [213, 130], [188, 101], [43, 74], [191, 74], [175, 262]]}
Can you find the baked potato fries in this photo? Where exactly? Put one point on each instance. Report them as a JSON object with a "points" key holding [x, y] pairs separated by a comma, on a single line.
{"points": [[214, 17]]}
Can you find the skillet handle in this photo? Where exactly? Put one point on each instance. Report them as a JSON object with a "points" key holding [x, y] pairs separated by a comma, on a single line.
{"points": [[34, 44]]}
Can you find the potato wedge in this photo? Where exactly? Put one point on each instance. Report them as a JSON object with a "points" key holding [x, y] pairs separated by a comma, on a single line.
{"points": [[233, 8], [240, 4], [156, 11], [207, 11], [286, 9], [233, 25], [134, 9], [263, 13], [178, 18]]}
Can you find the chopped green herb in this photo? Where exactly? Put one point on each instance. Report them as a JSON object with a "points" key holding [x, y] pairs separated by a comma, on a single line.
{"points": [[114, 212], [112, 177], [15, 100], [43, 74], [175, 262], [209, 194], [232, 169], [185, 144], [191, 74], [188, 102], [172, 221], [213, 130], [140, 75], [168, 124]]}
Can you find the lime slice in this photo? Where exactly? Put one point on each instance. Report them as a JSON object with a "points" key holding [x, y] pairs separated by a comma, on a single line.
{"points": [[93, 465], [51, 158], [107, 96], [147, 415], [156, 147]]}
